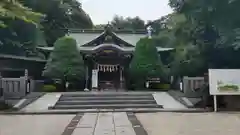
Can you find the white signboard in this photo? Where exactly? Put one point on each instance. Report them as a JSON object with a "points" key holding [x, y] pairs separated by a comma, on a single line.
{"points": [[224, 81], [94, 78]]}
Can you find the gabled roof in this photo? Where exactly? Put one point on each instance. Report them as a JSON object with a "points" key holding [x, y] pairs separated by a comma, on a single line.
{"points": [[87, 40], [84, 38], [88, 37]]}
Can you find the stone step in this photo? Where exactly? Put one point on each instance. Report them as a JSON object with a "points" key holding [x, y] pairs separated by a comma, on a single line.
{"points": [[97, 102], [105, 94], [104, 106], [64, 98]]}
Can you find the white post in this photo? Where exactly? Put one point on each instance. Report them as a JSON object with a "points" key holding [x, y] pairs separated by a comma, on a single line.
{"points": [[94, 79], [215, 103], [147, 84], [181, 86], [149, 30]]}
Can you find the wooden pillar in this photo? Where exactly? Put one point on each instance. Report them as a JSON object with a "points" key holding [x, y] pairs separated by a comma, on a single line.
{"points": [[86, 79], [121, 78]]}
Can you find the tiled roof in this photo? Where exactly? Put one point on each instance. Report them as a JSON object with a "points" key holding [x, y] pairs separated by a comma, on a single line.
{"points": [[21, 58], [160, 49], [84, 38]]}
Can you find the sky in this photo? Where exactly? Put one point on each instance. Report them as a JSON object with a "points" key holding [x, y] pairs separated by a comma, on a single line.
{"points": [[102, 11]]}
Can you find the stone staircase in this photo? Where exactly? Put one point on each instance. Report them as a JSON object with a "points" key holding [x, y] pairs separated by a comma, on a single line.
{"points": [[106, 100]]}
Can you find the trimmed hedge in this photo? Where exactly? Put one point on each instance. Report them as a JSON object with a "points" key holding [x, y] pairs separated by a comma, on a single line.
{"points": [[49, 88]]}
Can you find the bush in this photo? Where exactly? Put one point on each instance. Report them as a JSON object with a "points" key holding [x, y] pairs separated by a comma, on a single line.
{"points": [[49, 88], [146, 63], [65, 61]]}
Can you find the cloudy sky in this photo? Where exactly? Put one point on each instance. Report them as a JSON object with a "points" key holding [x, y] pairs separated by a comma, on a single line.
{"points": [[102, 11]]}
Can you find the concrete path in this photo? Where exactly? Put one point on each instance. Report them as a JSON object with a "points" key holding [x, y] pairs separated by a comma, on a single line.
{"points": [[118, 124], [33, 125], [168, 102], [190, 123], [104, 124], [43, 102], [89, 124]]}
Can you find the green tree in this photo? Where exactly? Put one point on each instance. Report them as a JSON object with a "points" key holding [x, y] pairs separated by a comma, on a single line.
{"points": [[121, 23], [146, 62], [12, 9], [216, 41], [17, 40], [60, 15], [65, 61], [21, 36]]}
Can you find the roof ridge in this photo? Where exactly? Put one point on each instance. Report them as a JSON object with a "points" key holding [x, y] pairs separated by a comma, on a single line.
{"points": [[140, 31]]}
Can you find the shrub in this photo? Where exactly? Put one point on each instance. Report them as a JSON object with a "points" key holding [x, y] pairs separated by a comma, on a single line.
{"points": [[65, 62], [146, 63], [49, 88]]}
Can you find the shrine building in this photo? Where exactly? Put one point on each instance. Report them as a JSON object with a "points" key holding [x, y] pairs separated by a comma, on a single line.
{"points": [[107, 54]]}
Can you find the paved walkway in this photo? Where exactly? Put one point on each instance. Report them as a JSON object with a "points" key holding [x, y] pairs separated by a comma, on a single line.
{"points": [[119, 124], [190, 124], [89, 124], [43, 102], [33, 124], [104, 124], [168, 102]]}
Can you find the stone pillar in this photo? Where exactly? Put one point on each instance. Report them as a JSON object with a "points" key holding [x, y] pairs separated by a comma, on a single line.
{"points": [[23, 87], [94, 79], [1, 88], [27, 83]]}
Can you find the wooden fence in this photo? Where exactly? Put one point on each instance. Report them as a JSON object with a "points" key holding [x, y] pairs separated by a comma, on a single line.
{"points": [[190, 84]]}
